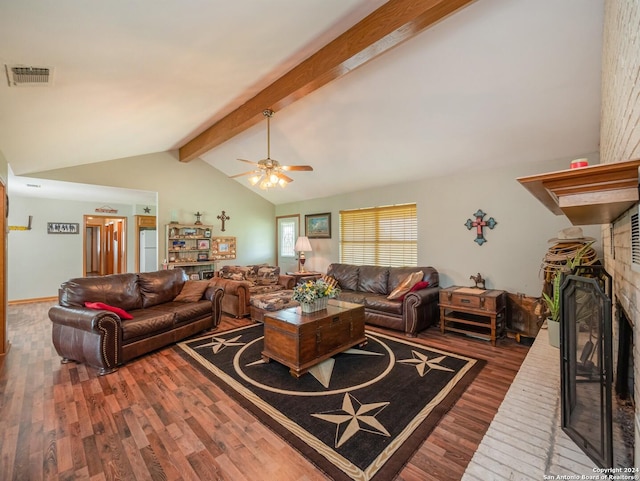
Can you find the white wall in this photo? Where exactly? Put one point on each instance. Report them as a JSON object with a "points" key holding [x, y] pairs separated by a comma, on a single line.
{"points": [[39, 262], [182, 187], [511, 257]]}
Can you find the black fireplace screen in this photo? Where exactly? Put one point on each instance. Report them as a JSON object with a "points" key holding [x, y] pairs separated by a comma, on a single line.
{"points": [[587, 366]]}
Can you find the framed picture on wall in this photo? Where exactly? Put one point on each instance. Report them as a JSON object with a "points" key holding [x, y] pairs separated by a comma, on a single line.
{"points": [[63, 228], [318, 226]]}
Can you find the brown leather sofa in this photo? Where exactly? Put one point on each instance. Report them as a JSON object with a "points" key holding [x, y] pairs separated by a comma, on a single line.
{"points": [[241, 282], [370, 286], [103, 340]]}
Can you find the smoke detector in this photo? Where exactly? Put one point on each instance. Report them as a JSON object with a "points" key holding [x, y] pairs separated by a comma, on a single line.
{"points": [[24, 76]]}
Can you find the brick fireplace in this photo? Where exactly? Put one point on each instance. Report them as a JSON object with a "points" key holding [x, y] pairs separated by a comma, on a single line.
{"points": [[620, 141]]}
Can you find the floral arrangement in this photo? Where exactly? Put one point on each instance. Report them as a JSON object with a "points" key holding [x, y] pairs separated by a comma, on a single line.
{"points": [[308, 291]]}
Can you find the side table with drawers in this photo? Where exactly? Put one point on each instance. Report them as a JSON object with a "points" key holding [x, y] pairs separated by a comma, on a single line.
{"points": [[306, 275], [473, 311]]}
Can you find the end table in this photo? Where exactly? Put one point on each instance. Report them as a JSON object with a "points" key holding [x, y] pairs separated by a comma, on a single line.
{"points": [[306, 275], [473, 311]]}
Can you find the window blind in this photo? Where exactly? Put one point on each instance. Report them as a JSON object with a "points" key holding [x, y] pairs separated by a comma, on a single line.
{"points": [[380, 236]]}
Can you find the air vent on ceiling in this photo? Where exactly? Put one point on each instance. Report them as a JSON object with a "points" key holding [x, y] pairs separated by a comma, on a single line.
{"points": [[635, 242], [23, 76]]}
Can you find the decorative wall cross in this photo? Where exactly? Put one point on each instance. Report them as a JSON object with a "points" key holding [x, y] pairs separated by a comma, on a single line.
{"points": [[479, 223], [223, 218]]}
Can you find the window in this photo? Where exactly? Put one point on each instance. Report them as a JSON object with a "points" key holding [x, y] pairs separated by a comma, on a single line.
{"points": [[381, 236]]}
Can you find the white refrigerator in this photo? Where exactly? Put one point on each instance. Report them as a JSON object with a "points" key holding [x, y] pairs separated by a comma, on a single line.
{"points": [[148, 251]]}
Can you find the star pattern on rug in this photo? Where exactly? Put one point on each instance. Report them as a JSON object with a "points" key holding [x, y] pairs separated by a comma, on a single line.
{"points": [[423, 364], [354, 417], [219, 343]]}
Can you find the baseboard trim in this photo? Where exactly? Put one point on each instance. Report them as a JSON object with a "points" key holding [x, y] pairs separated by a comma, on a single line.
{"points": [[31, 301]]}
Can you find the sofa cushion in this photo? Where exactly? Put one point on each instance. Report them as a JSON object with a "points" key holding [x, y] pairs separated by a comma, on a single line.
{"points": [[352, 296], [345, 274], [253, 290], [119, 290], [122, 314], [160, 286], [267, 275], [405, 286], [373, 279], [145, 323], [185, 311], [192, 291], [273, 301], [382, 304], [238, 273]]}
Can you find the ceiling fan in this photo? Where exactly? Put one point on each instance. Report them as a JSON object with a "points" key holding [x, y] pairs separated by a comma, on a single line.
{"points": [[269, 172]]}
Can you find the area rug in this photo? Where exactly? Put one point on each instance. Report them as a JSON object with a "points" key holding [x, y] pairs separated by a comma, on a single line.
{"points": [[357, 416]]}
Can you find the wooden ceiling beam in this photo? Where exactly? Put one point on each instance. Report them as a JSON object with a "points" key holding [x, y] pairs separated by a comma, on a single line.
{"points": [[393, 23]]}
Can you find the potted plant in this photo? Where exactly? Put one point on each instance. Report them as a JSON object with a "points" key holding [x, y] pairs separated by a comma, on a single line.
{"points": [[553, 308], [553, 301], [313, 294]]}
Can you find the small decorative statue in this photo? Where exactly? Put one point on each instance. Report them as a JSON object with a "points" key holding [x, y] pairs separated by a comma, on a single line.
{"points": [[478, 280], [198, 215]]}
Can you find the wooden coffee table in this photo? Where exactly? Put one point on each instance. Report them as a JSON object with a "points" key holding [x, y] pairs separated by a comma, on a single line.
{"points": [[300, 341]]}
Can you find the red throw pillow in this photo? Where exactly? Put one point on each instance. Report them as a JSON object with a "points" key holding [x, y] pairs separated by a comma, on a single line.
{"points": [[122, 314], [416, 287]]}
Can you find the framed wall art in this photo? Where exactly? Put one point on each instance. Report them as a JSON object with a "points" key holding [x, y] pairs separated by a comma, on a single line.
{"points": [[318, 226], [63, 228], [223, 248]]}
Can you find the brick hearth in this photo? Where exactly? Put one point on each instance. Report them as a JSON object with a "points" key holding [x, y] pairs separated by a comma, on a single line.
{"points": [[525, 441]]}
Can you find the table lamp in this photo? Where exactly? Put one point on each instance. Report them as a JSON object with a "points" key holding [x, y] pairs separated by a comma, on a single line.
{"points": [[302, 245]]}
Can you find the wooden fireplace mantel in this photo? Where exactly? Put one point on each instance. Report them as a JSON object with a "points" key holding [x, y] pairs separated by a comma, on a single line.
{"points": [[597, 194]]}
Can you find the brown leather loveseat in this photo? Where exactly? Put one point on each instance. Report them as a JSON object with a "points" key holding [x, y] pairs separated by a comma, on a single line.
{"points": [[104, 340], [370, 286]]}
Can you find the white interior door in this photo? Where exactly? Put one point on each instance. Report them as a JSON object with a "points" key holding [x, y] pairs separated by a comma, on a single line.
{"points": [[288, 229]]}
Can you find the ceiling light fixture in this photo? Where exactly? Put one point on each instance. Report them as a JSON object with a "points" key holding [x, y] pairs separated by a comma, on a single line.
{"points": [[269, 172]]}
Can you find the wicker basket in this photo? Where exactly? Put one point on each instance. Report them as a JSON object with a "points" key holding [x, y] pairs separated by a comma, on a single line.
{"points": [[314, 306]]}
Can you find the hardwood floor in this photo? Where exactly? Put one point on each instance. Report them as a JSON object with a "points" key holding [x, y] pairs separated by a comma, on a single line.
{"points": [[158, 418]]}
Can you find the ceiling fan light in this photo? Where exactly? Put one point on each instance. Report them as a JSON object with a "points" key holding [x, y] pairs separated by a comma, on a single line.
{"points": [[255, 179], [265, 184], [273, 178], [282, 183]]}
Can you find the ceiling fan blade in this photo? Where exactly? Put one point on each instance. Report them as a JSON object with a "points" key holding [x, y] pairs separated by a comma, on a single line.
{"points": [[286, 178], [296, 167], [244, 173], [248, 161]]}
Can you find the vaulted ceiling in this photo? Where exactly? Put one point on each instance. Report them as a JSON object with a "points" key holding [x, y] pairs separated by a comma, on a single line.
{"points": [[497, 82]]}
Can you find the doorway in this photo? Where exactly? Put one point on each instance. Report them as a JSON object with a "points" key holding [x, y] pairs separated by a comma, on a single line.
{"points": [[4, 212], [104, 246], [287, 232]]}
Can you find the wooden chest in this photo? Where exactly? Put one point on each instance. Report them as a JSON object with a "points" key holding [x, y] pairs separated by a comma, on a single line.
{"points": [[300, 341]]}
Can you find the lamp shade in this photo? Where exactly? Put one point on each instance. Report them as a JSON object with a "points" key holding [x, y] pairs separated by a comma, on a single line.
{"points": [[303, 245]]}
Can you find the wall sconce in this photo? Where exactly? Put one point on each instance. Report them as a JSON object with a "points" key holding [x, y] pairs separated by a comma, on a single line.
{"points": [[302, 245]]}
